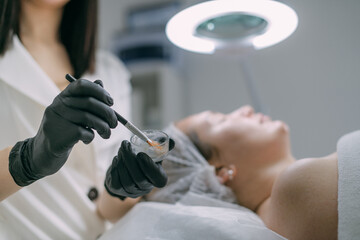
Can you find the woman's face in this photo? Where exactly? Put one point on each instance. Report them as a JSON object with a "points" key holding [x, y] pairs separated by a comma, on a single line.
{"points": [[241, 137]]}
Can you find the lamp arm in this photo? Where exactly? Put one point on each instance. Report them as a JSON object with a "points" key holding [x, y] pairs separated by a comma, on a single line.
{"points": [[252, 88]]}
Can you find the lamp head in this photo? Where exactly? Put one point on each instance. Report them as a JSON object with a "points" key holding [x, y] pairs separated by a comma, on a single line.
{"points": [[231, 26]]}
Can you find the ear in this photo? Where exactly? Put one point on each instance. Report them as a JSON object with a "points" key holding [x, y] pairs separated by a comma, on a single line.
{"points": [[226, 174]]}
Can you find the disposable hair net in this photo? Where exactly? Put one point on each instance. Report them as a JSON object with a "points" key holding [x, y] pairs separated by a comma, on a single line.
{"points": [[189, 173]]}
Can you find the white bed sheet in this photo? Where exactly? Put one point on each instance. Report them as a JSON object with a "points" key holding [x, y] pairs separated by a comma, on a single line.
{"points": [[160, 221]]}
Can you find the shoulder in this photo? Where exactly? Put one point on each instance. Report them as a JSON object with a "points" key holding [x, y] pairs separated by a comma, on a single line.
{"points": [[304, 200]]}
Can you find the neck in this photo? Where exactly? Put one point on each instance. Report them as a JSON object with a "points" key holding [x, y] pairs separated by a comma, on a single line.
{"points": [[256, 190], [40, 24]]}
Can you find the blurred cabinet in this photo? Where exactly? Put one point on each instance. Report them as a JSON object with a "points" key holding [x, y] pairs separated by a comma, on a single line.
{"points": [[157, 94], [158, 88]]}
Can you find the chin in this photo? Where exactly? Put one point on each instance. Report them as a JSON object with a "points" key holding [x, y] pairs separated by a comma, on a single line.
{"points": [[283, 126], [279, 126]]}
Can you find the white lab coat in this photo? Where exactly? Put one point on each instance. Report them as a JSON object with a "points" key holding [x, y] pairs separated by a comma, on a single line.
{"points": [[57, 206]]}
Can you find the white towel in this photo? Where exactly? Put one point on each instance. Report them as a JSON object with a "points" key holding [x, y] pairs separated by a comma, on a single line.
{"points": [[348, 150], [162, 221]]}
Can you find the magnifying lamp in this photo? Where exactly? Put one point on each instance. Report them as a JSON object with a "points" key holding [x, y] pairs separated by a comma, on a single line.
{"points": [[232, 27]]}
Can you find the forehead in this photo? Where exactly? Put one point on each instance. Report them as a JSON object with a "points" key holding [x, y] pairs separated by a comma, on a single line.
{"points": [[194, 121]]}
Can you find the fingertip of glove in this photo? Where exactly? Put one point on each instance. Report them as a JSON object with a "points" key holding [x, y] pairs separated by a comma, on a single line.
{"points": [[161, 182], [114, 124], [106, 134], [110, 101], [146, 162], [125, 143], [99, 82], [125, 147], [171, 144], [143, 155]]}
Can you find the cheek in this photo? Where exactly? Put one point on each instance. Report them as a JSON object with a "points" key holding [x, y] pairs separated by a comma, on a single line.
{"points": [[232, 141], [229, 135], [258, 143], [251, 142]]}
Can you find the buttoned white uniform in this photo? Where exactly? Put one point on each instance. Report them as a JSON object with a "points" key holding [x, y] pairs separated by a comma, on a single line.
{"points": [[57, 206]]}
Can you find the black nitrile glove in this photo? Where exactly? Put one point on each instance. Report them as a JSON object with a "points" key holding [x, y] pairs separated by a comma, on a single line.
{"points": [[81, 107], [133, 175]]}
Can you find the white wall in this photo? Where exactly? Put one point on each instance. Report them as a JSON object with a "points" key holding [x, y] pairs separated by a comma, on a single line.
{"points": [[311, 80], [112, 16]]}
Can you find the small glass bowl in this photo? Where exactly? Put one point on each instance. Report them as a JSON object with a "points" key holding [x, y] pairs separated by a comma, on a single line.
{"points": [[158, 152]]}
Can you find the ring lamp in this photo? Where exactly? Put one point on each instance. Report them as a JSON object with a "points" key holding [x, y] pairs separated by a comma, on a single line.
{"points": [[231, 26]]}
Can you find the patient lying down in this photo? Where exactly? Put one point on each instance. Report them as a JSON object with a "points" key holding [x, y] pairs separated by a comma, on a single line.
{"points": [[252, 156]]}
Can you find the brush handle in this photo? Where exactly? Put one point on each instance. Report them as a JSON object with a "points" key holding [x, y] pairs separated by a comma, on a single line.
{"points": [[132, 128], [70, 78], [121, 118], [137, 132]]}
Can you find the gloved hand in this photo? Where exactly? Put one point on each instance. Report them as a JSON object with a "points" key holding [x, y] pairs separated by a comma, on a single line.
{"points": [[81, 107], [133, 175]]}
